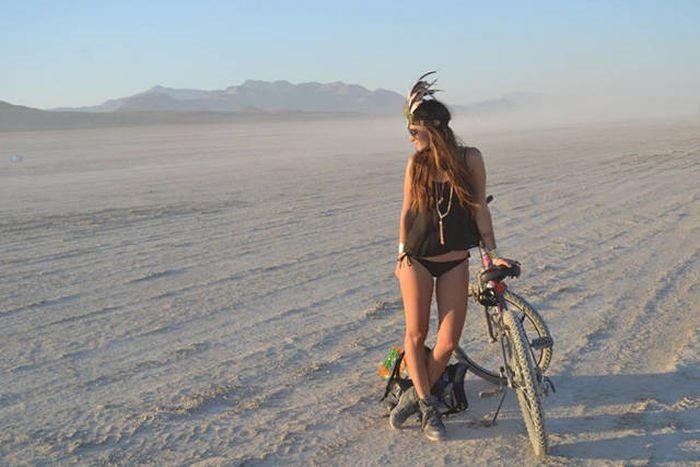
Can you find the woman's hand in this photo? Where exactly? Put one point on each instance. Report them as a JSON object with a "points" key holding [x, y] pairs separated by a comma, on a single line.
{"points": [[497, 261], [403, 261]]}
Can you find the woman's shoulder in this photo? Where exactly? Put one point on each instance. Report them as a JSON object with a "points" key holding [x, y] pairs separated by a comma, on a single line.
{"points": [[471, 154], [410, 160], [409, 163], [469, 150]]}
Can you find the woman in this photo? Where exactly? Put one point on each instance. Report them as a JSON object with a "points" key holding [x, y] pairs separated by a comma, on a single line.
{"points": [[444, 214]]}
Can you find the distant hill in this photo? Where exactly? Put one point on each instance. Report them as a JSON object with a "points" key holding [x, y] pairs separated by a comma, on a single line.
{"points": [[20, 118], [276, 96], [17, 117]]}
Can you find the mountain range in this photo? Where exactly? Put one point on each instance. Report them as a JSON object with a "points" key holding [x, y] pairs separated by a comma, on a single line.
{"points": [[252, 99], [276, 96], [283, 96]]}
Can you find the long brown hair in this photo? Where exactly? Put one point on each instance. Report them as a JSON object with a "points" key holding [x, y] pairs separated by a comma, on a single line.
{"points": [[443, 153]]}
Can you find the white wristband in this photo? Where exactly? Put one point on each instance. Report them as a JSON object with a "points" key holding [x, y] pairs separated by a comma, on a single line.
{"points": [[402, 247]]}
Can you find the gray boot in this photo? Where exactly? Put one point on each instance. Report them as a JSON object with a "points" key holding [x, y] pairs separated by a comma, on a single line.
{"points": [[431, 424], [407, 406]]}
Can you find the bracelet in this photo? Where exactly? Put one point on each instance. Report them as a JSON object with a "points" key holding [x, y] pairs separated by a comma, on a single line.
{"points": [[493, 253], [402, 247]]}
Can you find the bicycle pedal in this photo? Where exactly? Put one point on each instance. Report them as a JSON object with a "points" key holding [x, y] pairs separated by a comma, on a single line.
{"points": [[488, 393], [544, 342]]}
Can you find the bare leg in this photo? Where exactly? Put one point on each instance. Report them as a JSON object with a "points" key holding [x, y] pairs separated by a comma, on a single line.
{"points": [[451, 293], [417, 293]]}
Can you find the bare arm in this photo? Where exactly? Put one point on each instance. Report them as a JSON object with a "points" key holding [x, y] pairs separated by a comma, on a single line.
{"points": [[477, 181], [403, 259], [405, 208]]}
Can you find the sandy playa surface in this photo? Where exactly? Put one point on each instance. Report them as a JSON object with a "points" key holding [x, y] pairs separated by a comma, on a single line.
{"points": [[222, 294]]}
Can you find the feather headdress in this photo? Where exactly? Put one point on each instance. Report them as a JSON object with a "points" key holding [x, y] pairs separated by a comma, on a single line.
{"points": [[420, 91]]}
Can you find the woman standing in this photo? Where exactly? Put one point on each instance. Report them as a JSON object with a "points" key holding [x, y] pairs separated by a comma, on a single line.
{"points": [[444, 214]]}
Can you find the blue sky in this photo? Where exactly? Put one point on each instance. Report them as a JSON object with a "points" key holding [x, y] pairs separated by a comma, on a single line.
{"points": [[73, 53]]}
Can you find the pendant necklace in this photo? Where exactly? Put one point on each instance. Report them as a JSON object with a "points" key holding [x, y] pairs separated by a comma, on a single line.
{"points": [[441, 216]]}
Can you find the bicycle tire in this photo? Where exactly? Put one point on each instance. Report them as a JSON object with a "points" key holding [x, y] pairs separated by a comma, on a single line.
{"points": [[525, 383], [535, 324], [543, 357]]}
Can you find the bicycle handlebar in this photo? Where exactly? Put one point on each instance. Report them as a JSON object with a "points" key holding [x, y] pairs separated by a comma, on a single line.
{"points": [[498, 273]]}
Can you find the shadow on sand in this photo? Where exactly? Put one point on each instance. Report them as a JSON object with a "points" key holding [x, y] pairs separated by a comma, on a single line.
{"points": [[615, 418], [639, 416], [623, 417]]}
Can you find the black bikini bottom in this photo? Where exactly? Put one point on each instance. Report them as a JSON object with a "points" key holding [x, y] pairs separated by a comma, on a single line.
{"points": [[438, 268]]}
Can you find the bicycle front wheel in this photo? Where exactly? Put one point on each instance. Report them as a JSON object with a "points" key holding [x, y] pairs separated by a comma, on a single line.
{"points": [[525, 382], [484, 356]]}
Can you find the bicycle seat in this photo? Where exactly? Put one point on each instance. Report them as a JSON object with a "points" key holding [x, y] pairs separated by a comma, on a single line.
{"points": [[498, 273]]}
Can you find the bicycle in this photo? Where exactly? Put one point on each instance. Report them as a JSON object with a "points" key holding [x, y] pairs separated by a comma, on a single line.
{"points": [[524, 360]]}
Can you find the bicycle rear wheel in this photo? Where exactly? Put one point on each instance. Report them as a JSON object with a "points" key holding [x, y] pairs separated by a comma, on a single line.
{"points": [[484, 356], [525, 383]]}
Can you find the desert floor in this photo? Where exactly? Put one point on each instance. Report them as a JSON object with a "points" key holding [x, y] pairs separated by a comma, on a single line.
{"points": [[222, 293]]}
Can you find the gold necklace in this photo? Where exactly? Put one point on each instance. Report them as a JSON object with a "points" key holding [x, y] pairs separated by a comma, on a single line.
{"points": [[441, 216]]}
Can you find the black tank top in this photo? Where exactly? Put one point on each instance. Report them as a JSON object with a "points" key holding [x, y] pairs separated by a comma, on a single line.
{"points": [[423, 227]]}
